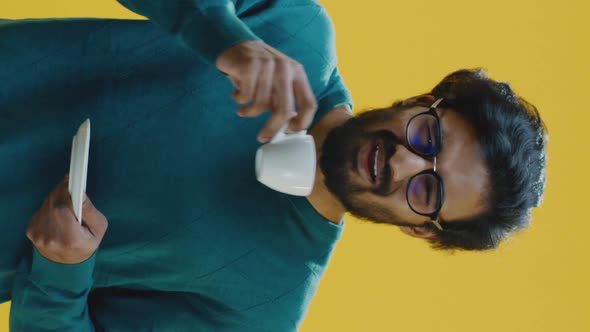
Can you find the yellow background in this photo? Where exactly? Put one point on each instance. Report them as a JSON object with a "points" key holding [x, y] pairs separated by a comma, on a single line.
{"points": [[381, 280]]}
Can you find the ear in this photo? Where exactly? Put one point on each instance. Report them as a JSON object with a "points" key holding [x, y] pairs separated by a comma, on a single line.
{"points": [[419, 232], [425, 99]]}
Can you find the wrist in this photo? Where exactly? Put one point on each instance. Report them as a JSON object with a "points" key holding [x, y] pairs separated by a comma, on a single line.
{"points": [[76, 277]]}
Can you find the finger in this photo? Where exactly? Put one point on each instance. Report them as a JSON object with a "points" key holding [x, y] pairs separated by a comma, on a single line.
{"points": [[234, 81], [283, 102], [273, 124], [306, 102], [62, 213], [248, 78], [262, 98], [236, 84], [64, 237], [283, 98], [237, 92], [93, 219]]}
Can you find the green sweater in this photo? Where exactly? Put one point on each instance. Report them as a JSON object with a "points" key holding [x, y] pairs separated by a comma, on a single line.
{"points": [[194, 243]]}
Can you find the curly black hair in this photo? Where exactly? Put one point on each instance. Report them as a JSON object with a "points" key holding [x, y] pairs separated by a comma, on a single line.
{"points": [[513, 141]]}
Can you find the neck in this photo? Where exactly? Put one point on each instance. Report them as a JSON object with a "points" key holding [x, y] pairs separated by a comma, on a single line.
{"points": [[321, 198]]}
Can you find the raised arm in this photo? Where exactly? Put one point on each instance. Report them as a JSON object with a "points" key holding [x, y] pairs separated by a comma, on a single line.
{"points": [[207, 26], [265, 79]]}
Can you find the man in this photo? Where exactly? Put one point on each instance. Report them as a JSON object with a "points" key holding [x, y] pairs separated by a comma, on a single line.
{"points": [[193, 241]]}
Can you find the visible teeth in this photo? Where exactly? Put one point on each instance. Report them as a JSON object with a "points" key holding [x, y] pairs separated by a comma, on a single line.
{"points": [[375, 162]]}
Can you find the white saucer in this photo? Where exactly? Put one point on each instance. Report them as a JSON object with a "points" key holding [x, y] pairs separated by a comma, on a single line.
{"points": [[79, 167]]}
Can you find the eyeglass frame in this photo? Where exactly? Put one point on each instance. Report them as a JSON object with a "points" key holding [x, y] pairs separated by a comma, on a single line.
{"points": [[434, 215]]}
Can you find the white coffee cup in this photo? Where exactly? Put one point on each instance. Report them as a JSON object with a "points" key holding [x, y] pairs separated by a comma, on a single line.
{"points": [[287, 163]]}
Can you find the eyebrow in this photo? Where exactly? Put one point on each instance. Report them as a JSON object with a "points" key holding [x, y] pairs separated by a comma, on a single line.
{"points": [[445, 141], [445, 131]]}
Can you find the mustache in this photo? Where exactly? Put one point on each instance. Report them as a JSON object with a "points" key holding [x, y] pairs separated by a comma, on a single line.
{"points": [[390, 141]]}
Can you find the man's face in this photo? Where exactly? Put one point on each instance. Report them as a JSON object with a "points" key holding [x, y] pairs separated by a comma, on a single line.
{"points": [[344, 158]]}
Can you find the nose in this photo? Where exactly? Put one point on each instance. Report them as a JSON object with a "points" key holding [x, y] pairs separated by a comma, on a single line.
{"points": [[405, 163]]}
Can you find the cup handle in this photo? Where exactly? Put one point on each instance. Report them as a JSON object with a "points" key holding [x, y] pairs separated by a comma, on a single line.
{"points": [[281, 134]]}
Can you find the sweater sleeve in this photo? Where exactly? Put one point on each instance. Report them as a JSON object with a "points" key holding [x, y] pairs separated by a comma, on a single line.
{"points": [[208, 27], [50, 296]]}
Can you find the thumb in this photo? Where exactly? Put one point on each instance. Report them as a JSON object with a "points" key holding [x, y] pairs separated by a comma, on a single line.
{"points": [[61, 193], [93, 219]]}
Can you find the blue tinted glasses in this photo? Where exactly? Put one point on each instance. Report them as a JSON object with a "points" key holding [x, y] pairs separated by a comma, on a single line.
{"points": [[425, 191]]}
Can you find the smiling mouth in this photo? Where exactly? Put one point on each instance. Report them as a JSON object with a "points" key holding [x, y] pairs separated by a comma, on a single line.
{"points": [[373, 162], [369, 163], [373, 166]]}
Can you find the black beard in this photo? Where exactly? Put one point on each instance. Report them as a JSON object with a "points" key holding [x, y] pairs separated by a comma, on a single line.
{"points": [[338, 159]]}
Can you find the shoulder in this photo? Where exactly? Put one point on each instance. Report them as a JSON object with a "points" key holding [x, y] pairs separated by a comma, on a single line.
{"points": [[286, 310]]}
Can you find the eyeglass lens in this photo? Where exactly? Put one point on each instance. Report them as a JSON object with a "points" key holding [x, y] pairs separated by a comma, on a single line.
{"points": [[424, 193], [423, 135]]}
